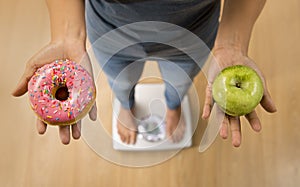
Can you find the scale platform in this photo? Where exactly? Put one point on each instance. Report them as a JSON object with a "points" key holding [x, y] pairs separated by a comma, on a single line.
{"points": [[150, 110]]}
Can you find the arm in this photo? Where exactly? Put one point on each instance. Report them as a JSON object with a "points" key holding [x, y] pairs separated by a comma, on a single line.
{"points": [[68, 29], [67, 20], [68, 37], [231, 48], [237, 22], [67, 26]]}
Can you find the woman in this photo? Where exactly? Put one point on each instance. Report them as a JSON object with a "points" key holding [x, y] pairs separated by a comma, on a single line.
{"points": [[229, 40]]}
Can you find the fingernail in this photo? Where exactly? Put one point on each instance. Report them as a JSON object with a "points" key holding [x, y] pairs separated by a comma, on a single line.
{"points": [[257, 127], [236, 143], [204, 116]]}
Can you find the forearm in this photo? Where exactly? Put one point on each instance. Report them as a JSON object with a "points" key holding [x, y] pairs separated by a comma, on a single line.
{"points": [[237, 22], [67, 20]]}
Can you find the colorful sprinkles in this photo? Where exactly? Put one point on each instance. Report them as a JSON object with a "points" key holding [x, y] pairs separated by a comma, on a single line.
{"points": [[48, 79]]}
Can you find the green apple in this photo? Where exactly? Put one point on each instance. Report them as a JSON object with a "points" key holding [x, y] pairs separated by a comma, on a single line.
{"points": [[237, 90]]}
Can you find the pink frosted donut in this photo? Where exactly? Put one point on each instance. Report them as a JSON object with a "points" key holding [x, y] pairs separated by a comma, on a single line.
{"points": [[61, 93]]}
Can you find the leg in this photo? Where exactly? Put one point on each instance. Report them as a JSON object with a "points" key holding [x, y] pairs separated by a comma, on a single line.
{"points": [[122, 77], [178, 77], [123, 72]]}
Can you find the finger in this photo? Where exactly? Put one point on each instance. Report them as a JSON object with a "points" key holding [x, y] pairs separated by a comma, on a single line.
{"points": [[76, 130], [224, 128], [254, 121], [208, 102], [41, 126], [235, 127], [223, 119], [267, 102], [64, 133], [93, 113]]}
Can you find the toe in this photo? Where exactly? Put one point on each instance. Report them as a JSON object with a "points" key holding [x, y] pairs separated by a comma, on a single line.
{"points": [[132, 138], [122, 138]]}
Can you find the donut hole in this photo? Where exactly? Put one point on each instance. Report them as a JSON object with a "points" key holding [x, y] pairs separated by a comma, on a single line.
{"points": [[62, 93]]}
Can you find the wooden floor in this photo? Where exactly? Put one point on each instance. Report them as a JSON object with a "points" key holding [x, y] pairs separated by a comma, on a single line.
{"points": [[268, 159]]}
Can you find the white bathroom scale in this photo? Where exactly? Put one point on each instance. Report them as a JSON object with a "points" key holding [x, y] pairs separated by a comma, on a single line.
{"points": [[150, 110]]}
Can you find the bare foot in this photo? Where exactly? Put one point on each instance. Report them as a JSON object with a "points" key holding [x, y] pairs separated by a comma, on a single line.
{"points": [[175, 125], [126, 126]]}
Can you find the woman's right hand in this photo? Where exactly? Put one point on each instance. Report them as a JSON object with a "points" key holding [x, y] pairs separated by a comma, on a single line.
{"points": [[74, 50]]}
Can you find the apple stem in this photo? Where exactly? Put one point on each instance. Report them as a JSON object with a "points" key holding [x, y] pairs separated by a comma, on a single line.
{"points": [[238, 84]]}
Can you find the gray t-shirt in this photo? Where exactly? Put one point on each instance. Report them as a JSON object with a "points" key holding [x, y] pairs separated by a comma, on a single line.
{"points": [[198, 16], [190, 14]]}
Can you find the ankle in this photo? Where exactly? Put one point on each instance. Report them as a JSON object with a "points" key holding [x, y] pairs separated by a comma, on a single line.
{"points": [[176, 111]]}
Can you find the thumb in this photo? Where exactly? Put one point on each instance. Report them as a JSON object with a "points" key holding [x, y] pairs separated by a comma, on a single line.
{"points": [[21, 87], [41, 58]]}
